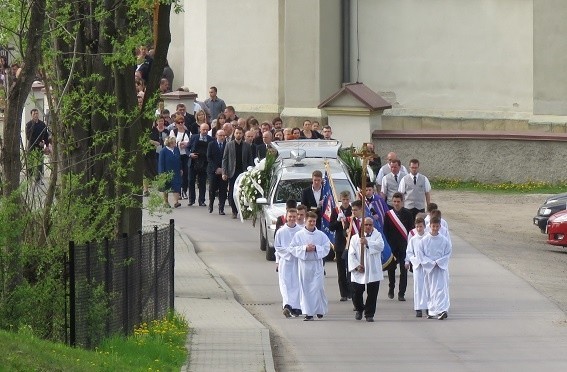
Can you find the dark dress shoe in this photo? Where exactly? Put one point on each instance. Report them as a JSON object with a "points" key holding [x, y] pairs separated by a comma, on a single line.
{"points": [[358, 315], [210, 208], [369, 318], [191, 203], [222, 213], [442, 316], [202, 204], [343, 299], [307, 318], [401, 298], [177, 205], [234, 217], [391, 294], [319, 316], [418, 314]]}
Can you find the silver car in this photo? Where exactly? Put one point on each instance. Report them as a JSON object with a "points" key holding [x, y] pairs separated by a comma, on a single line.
{"points": [[291, 174]]}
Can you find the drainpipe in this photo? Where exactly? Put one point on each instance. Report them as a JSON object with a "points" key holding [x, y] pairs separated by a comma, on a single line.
{"points": [[345, 39]]}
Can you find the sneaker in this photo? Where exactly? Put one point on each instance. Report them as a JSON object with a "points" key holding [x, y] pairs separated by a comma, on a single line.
{"points": [[287, 312], [391, 294], [418, 314], [358, 315], [442, 316], [307, 318], [319, 316], [429, 316]]}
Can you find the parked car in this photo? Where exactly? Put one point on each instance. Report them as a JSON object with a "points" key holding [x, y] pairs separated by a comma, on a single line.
{"points": [[557, 229], [552, 205], [291, 174]]}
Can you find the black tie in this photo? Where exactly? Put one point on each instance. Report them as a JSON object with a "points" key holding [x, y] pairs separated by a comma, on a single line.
{"points": [[414, 179], [396, 177], [368, 235]]}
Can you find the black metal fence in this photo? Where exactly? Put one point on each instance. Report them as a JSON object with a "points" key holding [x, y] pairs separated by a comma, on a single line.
{"points": [[116, 285]]}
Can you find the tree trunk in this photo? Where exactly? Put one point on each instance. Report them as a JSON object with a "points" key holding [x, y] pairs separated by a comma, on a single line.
{"points": [[11, 162]]}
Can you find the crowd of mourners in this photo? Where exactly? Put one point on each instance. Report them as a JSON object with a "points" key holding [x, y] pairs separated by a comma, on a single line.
{"points": [[209, 144]]}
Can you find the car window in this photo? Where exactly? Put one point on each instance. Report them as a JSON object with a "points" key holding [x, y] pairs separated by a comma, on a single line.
{"points": [[291, 189]]}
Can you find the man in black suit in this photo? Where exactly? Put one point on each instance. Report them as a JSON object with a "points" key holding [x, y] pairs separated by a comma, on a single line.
{"points": [[238, 155], [198, 145], [311, 197], [215, 152], [397, 224], [262, 150], [341, 223]]}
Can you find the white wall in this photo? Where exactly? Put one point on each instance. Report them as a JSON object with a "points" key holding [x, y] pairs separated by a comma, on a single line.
{"points": [[233, 45], [447, 54]]}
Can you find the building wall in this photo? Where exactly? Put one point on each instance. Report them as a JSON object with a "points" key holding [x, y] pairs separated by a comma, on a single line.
{"points": [[490, 161], [234, 46]]}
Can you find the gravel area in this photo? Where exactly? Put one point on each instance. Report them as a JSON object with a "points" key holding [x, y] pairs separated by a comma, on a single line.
{"points": [[501, 227]]}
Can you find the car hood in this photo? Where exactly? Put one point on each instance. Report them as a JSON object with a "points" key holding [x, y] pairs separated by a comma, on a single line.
{"points": [[559, 217]]}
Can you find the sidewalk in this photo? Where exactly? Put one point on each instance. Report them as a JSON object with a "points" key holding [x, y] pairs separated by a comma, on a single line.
{"points": [[224, 336]]}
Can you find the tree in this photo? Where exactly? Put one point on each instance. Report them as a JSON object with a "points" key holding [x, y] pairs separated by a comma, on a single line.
{"points": [[84, 51]]}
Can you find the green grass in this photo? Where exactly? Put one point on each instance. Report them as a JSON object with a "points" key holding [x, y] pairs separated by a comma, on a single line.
{"points": [[532, 187], [158, 346]]}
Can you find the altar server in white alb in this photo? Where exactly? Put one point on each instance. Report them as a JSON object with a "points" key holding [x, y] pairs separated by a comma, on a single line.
{"points": [[310, 246], [433, 255], [367, 274], [287, 270], [420, 292]]}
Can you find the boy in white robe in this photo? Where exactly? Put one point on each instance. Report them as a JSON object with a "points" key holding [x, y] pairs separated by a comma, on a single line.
{"points": [[367, 274], [433, 255], [287, 271], [310, 246], [420, 293]]}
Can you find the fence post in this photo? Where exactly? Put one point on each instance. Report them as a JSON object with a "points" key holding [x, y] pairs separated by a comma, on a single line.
{"points": [[156, 279], [139, 279], [171, 256], [107, 279], [72, 296], [125, 304]]}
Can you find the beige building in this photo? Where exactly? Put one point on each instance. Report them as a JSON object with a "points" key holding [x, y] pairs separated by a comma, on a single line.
{"points": [[443, 64]]}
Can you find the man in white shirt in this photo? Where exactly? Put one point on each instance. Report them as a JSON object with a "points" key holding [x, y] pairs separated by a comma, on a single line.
{"points": [[385, 169], [416, 189], [367, 274]]}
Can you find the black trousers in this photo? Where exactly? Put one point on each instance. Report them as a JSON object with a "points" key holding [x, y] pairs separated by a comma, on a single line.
{"points": [[216, 183], [231, 182], [185, 170], [403, 277], [201, 178], [342, 277], [415, 211], [369, 307]]}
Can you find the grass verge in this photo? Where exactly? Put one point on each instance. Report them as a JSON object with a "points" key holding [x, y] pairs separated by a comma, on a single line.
{"points": [[532, 187], [155, 346]]}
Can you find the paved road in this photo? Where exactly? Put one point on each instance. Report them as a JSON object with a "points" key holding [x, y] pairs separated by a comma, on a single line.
{"points": [[509, 326]]}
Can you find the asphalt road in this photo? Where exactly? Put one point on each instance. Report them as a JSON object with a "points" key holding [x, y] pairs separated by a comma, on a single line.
{"points": [[498, 319]]}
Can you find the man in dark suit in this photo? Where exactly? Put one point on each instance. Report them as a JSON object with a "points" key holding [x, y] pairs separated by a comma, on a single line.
{"points": [[236, 158], [311, 197], [198, 145], [262, 150], [341, 223], [215, 152], [397, 224]]}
